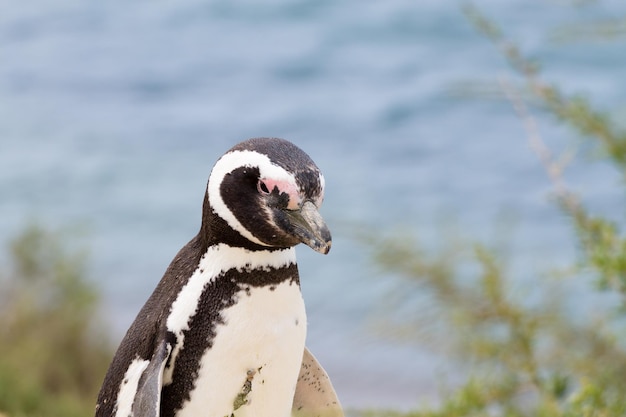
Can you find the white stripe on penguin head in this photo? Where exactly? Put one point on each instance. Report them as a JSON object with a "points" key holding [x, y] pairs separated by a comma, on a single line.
{"points": [[228, 163]]}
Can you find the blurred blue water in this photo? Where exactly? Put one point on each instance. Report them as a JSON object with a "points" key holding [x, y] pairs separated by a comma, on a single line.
{"points": [[112, 114]]}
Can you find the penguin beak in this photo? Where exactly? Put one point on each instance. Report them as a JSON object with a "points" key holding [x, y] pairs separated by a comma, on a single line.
{"points": [[309, 227]]}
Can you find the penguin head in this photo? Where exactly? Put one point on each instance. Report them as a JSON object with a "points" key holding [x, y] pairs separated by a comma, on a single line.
{"points": [[269, 191]]}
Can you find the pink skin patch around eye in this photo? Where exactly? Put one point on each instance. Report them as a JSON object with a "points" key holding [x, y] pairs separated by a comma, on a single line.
{"points": [[284, 187]]}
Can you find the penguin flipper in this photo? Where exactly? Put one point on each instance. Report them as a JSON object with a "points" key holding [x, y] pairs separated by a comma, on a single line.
{"points": [[147, 401], [315, 395]]}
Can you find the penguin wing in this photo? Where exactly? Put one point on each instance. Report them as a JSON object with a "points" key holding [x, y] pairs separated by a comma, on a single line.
{"points": [[147, 400], [315, 395]]}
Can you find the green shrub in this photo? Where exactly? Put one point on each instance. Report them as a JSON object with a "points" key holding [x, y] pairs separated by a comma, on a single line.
{"points": [[53, 353]]}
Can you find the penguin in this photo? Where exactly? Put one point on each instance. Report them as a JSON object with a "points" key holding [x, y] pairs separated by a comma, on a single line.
{"points": [[223, 333]]}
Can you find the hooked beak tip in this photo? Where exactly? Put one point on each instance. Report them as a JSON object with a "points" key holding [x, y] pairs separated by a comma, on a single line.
{"points": [[309, 227], [322, 247]]}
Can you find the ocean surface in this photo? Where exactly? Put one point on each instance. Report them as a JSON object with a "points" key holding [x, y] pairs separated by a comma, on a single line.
{"points": [[113, 113]]}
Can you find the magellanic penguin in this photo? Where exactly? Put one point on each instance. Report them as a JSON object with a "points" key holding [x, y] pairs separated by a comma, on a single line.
{"points": [[223, 333]]}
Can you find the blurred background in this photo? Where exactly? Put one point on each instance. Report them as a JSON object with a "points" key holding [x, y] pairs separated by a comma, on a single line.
{"points": [[113, 113]]}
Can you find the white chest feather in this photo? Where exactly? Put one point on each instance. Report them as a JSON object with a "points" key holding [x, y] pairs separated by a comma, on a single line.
{"points": [[252, 367]]}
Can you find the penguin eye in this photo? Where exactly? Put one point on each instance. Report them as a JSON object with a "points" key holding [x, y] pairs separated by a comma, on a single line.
{"points": [[262, 187]]}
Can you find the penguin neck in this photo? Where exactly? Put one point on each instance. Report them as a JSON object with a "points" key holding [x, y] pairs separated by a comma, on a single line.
{"points": [[250, 268]]}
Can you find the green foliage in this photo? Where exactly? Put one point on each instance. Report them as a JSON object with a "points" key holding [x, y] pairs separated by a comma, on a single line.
{"points": [[525, 359], [525, 351], [52, 356]]}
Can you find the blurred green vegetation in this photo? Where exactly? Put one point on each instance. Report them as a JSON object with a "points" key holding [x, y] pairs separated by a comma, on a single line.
{"points": [[54, 352], [526, 351]]}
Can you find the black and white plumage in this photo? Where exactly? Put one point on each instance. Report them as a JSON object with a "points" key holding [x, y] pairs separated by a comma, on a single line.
{"points": [[223, 333]]}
